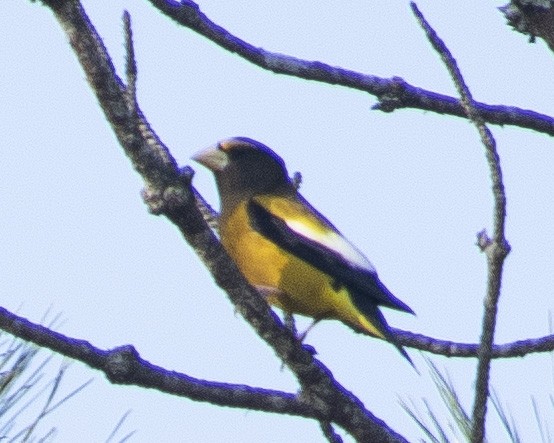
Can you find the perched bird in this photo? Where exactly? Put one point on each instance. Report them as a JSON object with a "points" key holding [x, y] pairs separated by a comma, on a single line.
{"points": [[286, 248]]}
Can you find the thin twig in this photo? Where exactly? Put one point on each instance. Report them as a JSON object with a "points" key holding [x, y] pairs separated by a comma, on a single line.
{"points": [[447, 348], [497, 249], [211, 217], [130, 64], [329, 432]]}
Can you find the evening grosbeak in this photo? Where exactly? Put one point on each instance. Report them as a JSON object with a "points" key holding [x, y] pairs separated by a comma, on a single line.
{"points": [[286, 248]]}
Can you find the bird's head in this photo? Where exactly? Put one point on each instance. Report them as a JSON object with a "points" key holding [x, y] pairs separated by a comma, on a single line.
{"points": [[244, 168]]}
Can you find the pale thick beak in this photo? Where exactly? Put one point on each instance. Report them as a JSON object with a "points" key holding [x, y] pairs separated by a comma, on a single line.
{"points": [[212, 158]]}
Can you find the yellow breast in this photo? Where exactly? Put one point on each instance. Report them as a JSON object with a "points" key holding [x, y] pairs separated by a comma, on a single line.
{"points": [[301, 288]]}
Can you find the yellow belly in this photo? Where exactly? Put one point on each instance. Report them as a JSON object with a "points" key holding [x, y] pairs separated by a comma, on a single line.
{"points": [[301, 288]]}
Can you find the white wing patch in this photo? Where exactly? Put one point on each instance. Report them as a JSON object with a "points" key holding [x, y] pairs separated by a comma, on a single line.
{"points": [[333, 241]]}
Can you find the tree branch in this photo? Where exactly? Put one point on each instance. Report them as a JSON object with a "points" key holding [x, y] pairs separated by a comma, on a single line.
{"points": [[124, 366], [532, 17], [168, 192], [496, 249], [392, 93], [447, 348]]}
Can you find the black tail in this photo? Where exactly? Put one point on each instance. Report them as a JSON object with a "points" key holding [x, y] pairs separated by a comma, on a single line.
{"points": [[377, 319]]}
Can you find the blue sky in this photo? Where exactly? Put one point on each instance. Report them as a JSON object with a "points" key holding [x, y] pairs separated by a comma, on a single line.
{"points": [[410, 189]]}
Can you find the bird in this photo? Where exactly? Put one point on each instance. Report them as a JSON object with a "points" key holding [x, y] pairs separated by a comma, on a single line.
{"points": [[289, 251]]}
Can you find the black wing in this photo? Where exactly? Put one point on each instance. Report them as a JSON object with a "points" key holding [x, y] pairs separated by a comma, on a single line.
{"points": [[365, 287]]}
